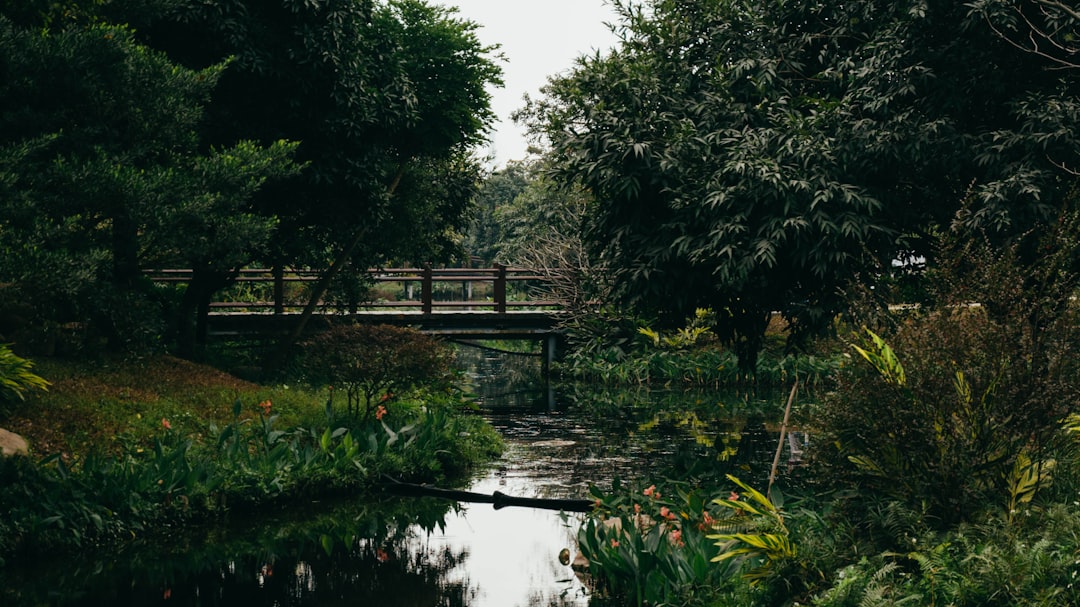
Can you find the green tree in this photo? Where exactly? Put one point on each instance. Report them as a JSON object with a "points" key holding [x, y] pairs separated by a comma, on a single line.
{"points": [[105, 175], [379, 94], [499, 189], [754, 157]]}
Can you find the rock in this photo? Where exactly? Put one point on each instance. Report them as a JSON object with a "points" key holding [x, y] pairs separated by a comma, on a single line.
{"points": [[12, 444]]}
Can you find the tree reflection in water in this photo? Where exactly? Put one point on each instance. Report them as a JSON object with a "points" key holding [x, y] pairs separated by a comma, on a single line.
{"points": [[345, 554]]}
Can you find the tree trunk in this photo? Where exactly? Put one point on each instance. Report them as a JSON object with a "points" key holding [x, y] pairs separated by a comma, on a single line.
{"points": [[191, 318], [323, 284]]}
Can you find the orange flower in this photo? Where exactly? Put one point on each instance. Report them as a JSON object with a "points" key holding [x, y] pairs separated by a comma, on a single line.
{"points": [[652, 492], [734, 497], [614, 543], [667, 514], [265, 406], [165, 424], [380, 412], [637, 508], [381, 555]]}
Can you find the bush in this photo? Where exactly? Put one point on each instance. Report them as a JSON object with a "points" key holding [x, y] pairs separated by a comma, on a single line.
{"points": [[373, 363], [963, 403]]}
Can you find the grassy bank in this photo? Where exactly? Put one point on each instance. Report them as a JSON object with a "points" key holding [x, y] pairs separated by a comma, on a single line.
{"points": [[120, 447]]}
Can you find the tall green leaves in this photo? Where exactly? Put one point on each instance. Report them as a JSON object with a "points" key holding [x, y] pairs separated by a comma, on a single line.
{"points": [[16, 376], [882, 358], [761, 542]]}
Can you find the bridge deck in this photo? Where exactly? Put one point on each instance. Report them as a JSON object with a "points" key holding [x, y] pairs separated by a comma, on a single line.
{"points": [[458, 324]]}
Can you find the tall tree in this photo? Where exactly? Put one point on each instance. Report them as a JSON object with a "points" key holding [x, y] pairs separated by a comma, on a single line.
{"points": [[755, 157], [498, 190], [104, 165], [377, 93]]}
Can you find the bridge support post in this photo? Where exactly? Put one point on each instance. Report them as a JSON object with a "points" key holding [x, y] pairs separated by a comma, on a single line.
{"points": [[500, 289], [426, 291], [279, 289], [551, 342]]}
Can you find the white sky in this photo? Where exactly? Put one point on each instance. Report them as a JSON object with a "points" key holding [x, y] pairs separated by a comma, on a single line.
{"points": [[539, 38]]}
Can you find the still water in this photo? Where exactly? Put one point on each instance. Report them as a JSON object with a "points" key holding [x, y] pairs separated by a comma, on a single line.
{"points": [[412, 552]]}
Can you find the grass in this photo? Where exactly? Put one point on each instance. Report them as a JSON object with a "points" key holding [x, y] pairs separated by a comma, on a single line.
{"points": [[99, 406]]}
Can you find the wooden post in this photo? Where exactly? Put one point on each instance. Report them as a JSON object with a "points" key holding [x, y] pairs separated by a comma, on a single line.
{"points": [[426, 291], [548, 353], [279, 289], [783, 432], [500, 289]]}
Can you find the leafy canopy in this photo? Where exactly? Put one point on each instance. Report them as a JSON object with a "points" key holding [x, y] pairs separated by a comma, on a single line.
{"points": [[755, 157]]}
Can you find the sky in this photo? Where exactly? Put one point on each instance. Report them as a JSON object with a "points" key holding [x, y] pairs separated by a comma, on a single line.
{"points": [[539, 38]]}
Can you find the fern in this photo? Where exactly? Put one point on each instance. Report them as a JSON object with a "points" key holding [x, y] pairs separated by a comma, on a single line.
{"points": [[879, 591]]}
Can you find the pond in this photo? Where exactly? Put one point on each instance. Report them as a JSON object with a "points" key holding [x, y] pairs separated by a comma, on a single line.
{"points": [[410, 552]]}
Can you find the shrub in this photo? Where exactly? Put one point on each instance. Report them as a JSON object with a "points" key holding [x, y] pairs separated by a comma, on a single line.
{"points": [[372, 363], [963, 400]]}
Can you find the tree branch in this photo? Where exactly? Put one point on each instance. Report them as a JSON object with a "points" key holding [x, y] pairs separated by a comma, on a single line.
{"points": [[1061, 6]]}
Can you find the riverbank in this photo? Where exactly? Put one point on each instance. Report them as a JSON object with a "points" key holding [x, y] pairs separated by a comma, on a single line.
{"points": [[120, 447]]}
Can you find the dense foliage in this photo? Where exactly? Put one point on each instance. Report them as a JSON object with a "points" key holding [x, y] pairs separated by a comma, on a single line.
{"points": [[373, 363], [212, 136], [381, 95], [753, 157], [969, 394], [206, 460], [103, 176], [942, 465]]}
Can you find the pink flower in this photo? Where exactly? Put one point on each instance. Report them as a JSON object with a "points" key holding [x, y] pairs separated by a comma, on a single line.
{"points": [[652, 492], [637, 508], [614, 543], [706, 521], [165, 424], [676, 536], [734, 497], [380, 412], [667, 514]]}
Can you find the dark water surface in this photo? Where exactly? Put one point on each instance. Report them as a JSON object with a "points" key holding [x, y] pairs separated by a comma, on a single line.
{"points": [[405, 552]]}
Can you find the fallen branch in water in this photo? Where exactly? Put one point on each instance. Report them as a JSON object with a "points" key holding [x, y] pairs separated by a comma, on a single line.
{"points": [[498, 499]]}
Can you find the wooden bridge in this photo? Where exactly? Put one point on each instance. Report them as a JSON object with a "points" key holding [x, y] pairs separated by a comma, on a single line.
{"points": [[457, 303]]}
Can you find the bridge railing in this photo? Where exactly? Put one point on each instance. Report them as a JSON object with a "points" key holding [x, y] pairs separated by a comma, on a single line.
{"points": [[501, 289]]}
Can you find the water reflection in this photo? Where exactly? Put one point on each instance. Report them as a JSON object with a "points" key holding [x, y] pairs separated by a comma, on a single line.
{"points": [[321, 554], [513, 553]]}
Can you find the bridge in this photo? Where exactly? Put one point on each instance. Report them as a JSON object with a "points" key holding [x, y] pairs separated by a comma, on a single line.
{"points": [[455, 303]]}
